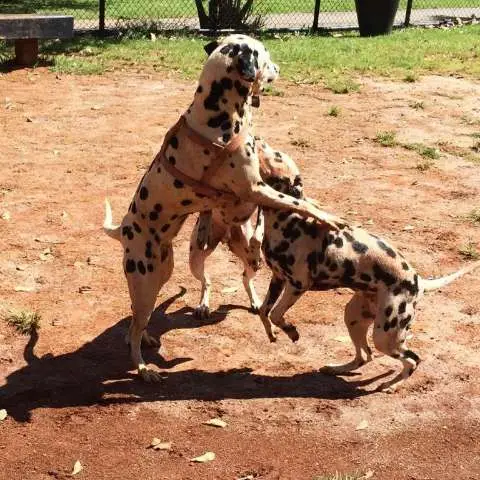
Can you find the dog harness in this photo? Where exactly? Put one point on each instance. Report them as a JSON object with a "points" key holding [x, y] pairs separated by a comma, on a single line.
{"points": [[220, 153]]}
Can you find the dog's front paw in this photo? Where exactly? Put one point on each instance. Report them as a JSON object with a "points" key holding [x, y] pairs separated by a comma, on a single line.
{"points": [[149, 376], [202, 312]]}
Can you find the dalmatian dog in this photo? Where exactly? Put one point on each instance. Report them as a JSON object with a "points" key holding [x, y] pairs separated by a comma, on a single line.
{"points": [[234, 227], [307, 256], [208, 160]]}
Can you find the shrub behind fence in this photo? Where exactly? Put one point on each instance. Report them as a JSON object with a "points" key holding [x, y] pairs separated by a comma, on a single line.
{"points": [[242, 15]]}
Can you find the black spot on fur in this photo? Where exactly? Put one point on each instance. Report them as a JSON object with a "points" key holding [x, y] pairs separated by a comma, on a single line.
{"points": [[365, 277], [394, 322], [178, 184], [137, 228], [405, 266], [338, 242], [186, 202], [359, 247], [405, 321], [165, 227], [130, 266], [127, 232], [217, 120], [226, 137], [386, 249], [402, 307], [150, 267], [241, 89], [412, 355], [141, 267], [174, 142], [172, 160], [143, 193], [153, 216], [388, 311], [134, 207], [380, 274]]}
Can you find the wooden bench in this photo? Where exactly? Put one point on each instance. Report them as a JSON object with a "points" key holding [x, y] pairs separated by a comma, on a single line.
{"points": [[27, 29]]}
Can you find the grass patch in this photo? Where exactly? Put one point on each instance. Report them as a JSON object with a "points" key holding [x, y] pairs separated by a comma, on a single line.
{"points": [[410, 77], [467, 120], [417, 105], [423, 150], [474, 216], [270, 91], [24, 321], [474, 134], [301, 142], [339, 476], [386, 139], [425, 165], [333, 111], [335, 62], [469, 251]]}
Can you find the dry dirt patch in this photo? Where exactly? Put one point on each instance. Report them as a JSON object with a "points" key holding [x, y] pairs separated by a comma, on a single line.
{"points": [[67, 142]]}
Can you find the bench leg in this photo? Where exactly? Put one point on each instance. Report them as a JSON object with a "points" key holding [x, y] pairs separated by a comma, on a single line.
{"points": [[26, 51]]}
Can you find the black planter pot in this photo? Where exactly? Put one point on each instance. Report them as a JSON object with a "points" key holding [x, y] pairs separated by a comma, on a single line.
{"points": [[376, 17]]}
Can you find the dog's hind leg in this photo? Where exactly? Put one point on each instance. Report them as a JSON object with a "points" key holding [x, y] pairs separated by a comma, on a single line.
{"points": [[359, 314], [239, 244], [199, 252], [289, 297], [275, 288], [390, 333], [144, 283]]}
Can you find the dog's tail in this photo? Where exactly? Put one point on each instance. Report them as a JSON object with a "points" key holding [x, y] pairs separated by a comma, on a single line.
{"points": [[436, 283], [108, 227]]}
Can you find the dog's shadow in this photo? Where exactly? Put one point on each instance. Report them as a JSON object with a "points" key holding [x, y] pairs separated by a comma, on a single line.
{"points": [[97, 373]]}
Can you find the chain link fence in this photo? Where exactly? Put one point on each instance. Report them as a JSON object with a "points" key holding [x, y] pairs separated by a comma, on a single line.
{"points": [[102, 15]]}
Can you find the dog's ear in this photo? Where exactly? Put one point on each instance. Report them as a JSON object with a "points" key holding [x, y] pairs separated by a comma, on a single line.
{"points": [[210, 47], [246, 65]]}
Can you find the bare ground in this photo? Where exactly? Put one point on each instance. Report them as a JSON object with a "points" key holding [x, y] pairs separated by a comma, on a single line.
{"points": [[67, 142]]}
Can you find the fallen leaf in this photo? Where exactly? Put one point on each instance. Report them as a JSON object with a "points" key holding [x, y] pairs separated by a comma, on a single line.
{"points": [[84, 288], [229, 289], [362, 425], [163, 446], [368, 474], [206, 457], [77, 468], [46, 255], [47, 239], [342, 339], [6, 216], [3, 414], [24, 288], [216, 422]]}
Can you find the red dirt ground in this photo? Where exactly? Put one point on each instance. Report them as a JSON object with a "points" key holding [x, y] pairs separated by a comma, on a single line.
{"points": [[68, 141]]}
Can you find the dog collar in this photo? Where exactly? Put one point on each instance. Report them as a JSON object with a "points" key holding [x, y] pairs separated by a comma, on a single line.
{"points": [[255, 101]]}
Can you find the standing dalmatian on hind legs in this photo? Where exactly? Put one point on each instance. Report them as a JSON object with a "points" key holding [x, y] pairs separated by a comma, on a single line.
{"points": [[208, 159]]}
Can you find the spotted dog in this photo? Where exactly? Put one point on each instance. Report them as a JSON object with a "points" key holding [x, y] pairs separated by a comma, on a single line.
{"points": [[208, 159], [233, 226], [306, 256]]}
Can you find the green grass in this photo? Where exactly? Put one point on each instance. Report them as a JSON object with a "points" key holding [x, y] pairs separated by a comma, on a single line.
{"points": [[333, 111], [335, 62], [424, 165], [469, 251], [474, 216], [148, 9], [24, 321], [423, 150], [339, 476], [386, 139]]}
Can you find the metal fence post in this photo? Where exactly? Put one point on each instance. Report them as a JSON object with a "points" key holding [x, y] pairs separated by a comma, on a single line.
{"points": [[408, 12], [316, 13], [101, 16]]}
